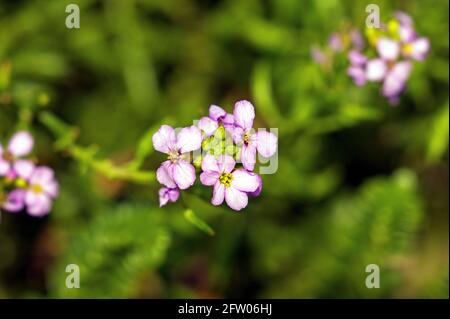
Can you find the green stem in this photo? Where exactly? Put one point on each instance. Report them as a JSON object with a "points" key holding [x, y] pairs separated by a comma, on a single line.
{"points": [[66, 136]]}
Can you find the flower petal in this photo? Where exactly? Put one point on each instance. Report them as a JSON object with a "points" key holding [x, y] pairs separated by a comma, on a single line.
{"points": [[4, 167], [395, 81], [216, 112], [335, 42], [245, 181], [356, 58], [164, 175], [21, 144], [244, 114], [168, 194], [376, 70], [183, 174], [207, 125], [358, 75], [258, 189], [404, 18], [209, 178], [24, 168], [15, 201], [189, 139], [238, 135], [357, 39], [407, 33], [248, 156], [388, 49], [225, 163], [163, 196], [209, 164], [218, 194], [42, 175], [235, 198], [51, 189], [40, 207], [420, 49], [164, 139], [267, 143]]}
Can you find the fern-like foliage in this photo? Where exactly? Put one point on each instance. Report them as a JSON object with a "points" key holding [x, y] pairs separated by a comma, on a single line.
{"points": [[115, 253], [327, 254]]}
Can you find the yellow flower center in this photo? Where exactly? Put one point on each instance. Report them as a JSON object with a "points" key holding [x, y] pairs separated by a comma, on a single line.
{"points": [[21, 183], [226, 179], [173, 156], [407, 49], [37, 189], [246, 138]]}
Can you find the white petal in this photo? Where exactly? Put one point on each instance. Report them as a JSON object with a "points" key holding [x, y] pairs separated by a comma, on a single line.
{"points": [[245, 181], [164, 139], [225, 163], [164, 175], [267, 143], [4, 167], [42, 175], [244, 114], [388, 49], [218, 194], [189, 139], [209, 164], [376, 70], [24, 168], [235, 198], [248, 157], [216, 112], [183, 174], [207, 125], [209, 178], [21, 144]]}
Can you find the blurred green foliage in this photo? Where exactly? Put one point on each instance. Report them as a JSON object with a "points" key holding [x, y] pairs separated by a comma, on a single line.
{"points": [[358, 182]]}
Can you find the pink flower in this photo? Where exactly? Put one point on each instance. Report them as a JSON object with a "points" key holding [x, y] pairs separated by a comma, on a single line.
{"points": [[41, 187], [394, 76], [217, 116], [335, 42], [243, 134], [177, 171], [388, 49], [15, 201], [319, 56], [168, 194], [357, 68], [229, 184], [20, 145]]}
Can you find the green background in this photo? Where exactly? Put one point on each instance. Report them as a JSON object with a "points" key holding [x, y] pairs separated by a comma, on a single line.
{"points": [[359, 182]]}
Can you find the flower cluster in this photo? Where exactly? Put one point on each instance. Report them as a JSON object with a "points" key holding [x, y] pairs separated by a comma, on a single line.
{"points": [[22, 183], [386, 58], [396, 44], [215, 145], [337, 42]]}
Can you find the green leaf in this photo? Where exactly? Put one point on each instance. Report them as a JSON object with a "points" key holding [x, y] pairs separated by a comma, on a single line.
{"points": [[114, 253], [263, 93]]}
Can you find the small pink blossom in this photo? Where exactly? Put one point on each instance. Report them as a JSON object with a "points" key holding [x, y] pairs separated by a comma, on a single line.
{"points": [[233, 185], [168, 195], [20, 145], [243, 134], [177, 171], [217, 116]]}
